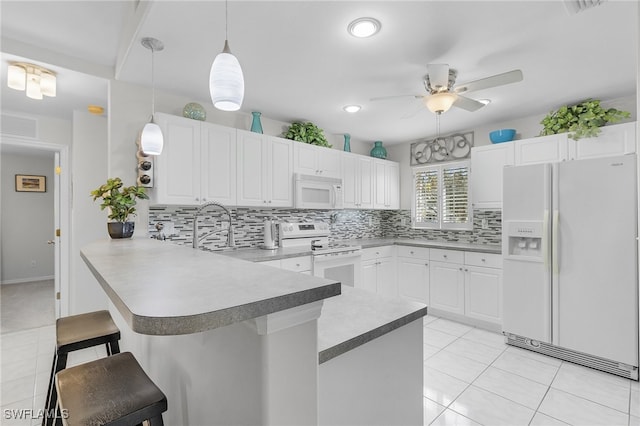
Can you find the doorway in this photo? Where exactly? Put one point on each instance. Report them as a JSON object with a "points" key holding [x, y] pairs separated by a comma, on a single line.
{"points": [[33, 297]]}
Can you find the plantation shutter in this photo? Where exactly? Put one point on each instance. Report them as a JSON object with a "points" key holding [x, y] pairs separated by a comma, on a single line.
{"points": [[455, 195], [427, 191]]}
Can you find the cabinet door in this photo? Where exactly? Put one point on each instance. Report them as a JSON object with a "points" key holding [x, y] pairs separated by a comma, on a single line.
{"points": [[350, 181], [446, 287], [544, 149], [218, 164], [392, 186], [619, 139], [379, 186], [330, 162], [305, 159], [365, 182], [386, 277], [483, 293], [413, 279], [251, 169], [487, 163], [177, 169], [369, 275], [280, 173]]}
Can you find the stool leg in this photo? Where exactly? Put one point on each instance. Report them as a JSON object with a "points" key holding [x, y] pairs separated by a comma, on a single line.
{"points": [[156, 421], [115, 347], [47, 402], [60, 364]]}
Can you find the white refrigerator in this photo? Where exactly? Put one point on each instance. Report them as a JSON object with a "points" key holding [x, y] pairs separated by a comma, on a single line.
{"points": [[570, 280]]}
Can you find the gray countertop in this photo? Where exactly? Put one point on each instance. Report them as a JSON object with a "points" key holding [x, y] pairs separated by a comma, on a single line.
{"points": [[168, 289], [260, 255]]}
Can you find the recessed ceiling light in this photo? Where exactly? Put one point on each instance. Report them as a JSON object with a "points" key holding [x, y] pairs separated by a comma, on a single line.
{"points": [[352, 108], [364, 27]]}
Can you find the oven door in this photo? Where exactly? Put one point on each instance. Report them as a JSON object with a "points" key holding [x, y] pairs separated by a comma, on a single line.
{"points": [[343, 267]]}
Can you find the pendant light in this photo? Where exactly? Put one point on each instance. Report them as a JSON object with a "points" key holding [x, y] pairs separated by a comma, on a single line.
{"points": [[226, 82], [151, 140]]}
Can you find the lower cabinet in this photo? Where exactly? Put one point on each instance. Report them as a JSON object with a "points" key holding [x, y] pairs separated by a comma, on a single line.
{"points": [[447, 287], [300, 264], [379, 270], [413, 273]]}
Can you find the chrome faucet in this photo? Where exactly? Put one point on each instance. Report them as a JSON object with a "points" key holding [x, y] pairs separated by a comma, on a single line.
{"points": [[230, 237]]}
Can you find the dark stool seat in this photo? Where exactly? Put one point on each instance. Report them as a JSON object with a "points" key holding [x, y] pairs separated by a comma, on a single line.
{"points": [[109, 391], [72, 334]]}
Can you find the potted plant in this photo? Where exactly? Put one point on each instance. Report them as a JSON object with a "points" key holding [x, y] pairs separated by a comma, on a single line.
{"points": [[307, 133], [582, 120], [121, 201]]}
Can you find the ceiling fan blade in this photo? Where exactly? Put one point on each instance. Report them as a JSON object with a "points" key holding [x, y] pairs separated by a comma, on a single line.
{"points": [[468, 104], [438, 75], [385, 98], [415, 109], [493, 81]]}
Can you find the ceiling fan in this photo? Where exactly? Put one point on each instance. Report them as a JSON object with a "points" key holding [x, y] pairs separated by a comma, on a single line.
{"points": [[443, 94]]}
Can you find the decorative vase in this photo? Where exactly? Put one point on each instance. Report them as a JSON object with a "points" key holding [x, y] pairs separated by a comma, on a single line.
{"points": [[347, 142], [120, 229], [378, 150], [256, 125], [194, 111]]}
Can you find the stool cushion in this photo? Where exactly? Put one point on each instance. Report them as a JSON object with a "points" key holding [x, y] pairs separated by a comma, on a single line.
{"points": [[85, 330], [112, 390]]}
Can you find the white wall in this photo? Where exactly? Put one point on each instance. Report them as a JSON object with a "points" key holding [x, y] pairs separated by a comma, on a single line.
{"points": [[27, 220], [89, 223]]}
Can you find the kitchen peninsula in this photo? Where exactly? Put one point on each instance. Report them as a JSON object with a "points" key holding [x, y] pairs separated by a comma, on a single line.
{"points": [[233, 342]]}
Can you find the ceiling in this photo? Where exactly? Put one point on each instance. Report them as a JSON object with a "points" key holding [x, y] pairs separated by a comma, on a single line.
{"points": [[300, 63]]}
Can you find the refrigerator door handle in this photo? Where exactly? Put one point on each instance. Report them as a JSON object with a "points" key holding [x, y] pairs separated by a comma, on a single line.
{"points": [[554, 242], [545, 239]]}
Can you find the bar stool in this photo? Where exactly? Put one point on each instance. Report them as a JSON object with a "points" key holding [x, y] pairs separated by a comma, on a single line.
{"points": [[109, 391], [72, 334]]}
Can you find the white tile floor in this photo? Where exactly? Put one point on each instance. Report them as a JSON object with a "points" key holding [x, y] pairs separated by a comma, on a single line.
{"points": [[470, 377]]}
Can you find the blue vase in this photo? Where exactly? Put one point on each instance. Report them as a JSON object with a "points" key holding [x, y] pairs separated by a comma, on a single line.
{"points": [[256, 125], [347, 142], [378, 150]]}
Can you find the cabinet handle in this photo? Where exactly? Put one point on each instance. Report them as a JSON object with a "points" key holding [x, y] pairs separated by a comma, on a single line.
{"points": [[411, 252], [444, 255], [483, 259], [269, 200], [197, 199], [426, 264], [297, 264], [264, 201], [460, 269], [466, 270]]}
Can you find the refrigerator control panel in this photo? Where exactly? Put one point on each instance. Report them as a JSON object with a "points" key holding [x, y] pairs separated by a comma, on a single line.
{"points": [[524, 239]]}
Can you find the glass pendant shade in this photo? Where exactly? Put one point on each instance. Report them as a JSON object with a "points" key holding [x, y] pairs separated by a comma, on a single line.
{"points": [[33, 85], [16, 77], [151, 140], [440, 102], [48, 84], [226, 81]]}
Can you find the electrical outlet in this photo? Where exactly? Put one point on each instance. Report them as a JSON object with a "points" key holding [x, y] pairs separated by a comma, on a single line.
{"points": [[485, 223], [403, 221], [370, 221]]}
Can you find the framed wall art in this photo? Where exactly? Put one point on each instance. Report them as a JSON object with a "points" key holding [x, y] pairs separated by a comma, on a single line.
{"points": [[445, 148], [31, 183]]}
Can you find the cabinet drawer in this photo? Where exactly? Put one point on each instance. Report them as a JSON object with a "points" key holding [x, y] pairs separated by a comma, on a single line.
{"points": [[274, 263], [452, 256], [489, 260], [377, 252], [413, 252], [297, 264]]}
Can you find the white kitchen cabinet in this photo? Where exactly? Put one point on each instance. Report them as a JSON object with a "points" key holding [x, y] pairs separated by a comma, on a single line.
{"points": [[264, 170], [613, 140], [316, 160], [300, 264], [387, 185], [357, 181], [197, 164], [446, 286], [378, 270], [487, 163], [413, 273], [543, 149]]}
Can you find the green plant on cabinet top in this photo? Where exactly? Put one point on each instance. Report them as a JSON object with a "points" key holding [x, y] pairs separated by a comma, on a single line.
{"points": [[120, 199], [582, 120], [307, 133]]}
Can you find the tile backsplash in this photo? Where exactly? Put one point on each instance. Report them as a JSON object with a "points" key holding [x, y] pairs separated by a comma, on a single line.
{"points": [[344, 225]]}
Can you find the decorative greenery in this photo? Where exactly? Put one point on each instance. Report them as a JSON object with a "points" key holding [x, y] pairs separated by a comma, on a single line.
{"points": [[583, 120], [307, 133], [120, 200]]}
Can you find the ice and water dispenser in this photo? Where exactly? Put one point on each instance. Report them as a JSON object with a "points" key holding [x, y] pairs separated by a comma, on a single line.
{"points": [[524, 239]]}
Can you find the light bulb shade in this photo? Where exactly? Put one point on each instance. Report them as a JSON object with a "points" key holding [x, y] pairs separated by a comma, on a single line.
{"points": [[16, 77], [33, 84], [440, 102], [226, 81], [48, 84], [151, 140]]}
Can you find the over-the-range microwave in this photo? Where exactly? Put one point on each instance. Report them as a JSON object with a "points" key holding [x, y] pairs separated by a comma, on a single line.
{"points": [[317, 192]]}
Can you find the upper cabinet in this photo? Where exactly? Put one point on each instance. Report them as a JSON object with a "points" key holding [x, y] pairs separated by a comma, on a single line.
{"points": [[544, 149], [387, 185], [316, 160], [613, 140], [265, 170], [357, 181], [487, 163], [197, 164]]}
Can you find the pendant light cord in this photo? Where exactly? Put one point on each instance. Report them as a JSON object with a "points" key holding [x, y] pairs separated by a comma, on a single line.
{"points": [[226, 20], [153, 87]]}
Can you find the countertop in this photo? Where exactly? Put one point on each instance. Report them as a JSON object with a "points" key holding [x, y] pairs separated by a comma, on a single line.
{"points": [[168, 289], [260, 255]]}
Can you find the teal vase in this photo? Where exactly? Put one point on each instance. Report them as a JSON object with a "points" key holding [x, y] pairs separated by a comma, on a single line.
{"points": [[347, 142], [378, 150], [256, 125]]}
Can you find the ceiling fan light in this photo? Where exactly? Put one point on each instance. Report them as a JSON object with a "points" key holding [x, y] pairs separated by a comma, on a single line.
{"points": [[440, 102], [151, 139], [226, 81], [16, 77], [33, 84], [48, 84]]}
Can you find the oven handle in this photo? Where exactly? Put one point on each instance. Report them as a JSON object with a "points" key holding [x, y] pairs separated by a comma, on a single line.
{"points": [[328, 256]]}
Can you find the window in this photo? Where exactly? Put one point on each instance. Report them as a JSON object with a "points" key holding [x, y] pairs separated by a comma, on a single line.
{"points": [[441, 197]]}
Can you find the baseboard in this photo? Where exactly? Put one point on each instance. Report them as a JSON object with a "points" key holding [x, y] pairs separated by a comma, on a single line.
{"points": [[486, 325], [27, 280]]}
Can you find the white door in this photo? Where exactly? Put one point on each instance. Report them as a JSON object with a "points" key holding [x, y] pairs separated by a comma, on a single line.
{"points": [[56, 232], [596, 292]]}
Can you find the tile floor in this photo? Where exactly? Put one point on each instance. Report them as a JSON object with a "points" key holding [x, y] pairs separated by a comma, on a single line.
{"points": [[470, 377]]}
